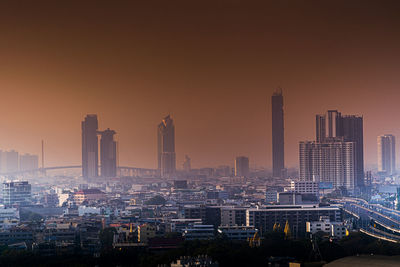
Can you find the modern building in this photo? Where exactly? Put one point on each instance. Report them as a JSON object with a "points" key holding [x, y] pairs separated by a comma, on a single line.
{"points": [[305, 187], [231, 216], [289, 198], [242, 166], [90, 153], [17, 192], [278, 156], [334, 229], [333, 126], [387, 154], [166, 148], [332, 162], [28, 162], [296, 216], [108, 153], [240, 233], [11, 161], [201, 232]]}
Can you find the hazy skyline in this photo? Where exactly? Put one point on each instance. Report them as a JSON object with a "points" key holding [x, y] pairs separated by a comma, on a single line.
{"points": [[212, 65]]}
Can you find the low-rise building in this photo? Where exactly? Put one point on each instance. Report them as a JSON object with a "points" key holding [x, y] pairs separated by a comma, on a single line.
{"points": [[199, 232], [145, 232], [242, 233], [88, 195]]}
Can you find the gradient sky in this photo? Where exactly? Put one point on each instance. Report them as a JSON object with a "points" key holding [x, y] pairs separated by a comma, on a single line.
{"points": [[212, 64]]}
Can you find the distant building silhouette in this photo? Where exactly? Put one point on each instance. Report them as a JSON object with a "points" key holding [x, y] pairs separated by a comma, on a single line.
{"points": [[108, 153], [242, 166], [166, 147], [348, 127], [90, 153], [278, 156], [28, 162], [387, 154], [11, 160], [187, 164]]}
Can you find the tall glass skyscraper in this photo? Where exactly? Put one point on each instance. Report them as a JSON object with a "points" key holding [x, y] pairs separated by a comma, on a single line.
{"points": [[166, 147], [278, 153], [90, 153]]}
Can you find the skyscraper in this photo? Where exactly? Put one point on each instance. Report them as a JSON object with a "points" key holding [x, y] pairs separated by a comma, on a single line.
{"points": [[387, 154], [332, 161], [349, 128], [28, 162], [166, 147], [108, 153], [90, 153], [12, 161], [278, 156], [242, 166]]}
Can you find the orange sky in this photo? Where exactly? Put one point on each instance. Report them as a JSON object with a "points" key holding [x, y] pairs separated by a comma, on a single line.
{"points": [[212, 64]]}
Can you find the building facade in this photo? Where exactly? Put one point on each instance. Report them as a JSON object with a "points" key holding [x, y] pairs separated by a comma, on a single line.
{"points": [[387, 154], [17, 192], [108, 154], [242, 168], [333, 125], [332, 162], [90, 153], [28, 162], [166, 148]]}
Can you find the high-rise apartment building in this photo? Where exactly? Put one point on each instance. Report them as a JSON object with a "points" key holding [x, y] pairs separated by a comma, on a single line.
{"points": [[332, 162], [278, 156], [17, 192], [387, 154], [108, 153], [242, 167], [90, 154], [28, 162], [349, 128], [11, 160], [166, 147]]}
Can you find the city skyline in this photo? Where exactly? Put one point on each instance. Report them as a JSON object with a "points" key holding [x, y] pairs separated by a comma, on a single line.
{"points": [[116, 69]]}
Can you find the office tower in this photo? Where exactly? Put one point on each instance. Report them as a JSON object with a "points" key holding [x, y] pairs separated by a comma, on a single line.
{"points": [[387, 154], [166, 147], [349, 128], [28, 162], [242, 166], [187, 164], [18, 192], [278, 157], [332, 162], [108, 153], [90, 154], [12, 160]]}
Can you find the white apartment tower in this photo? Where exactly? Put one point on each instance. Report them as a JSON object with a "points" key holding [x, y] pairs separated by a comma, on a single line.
{"points": [[328, 162]]}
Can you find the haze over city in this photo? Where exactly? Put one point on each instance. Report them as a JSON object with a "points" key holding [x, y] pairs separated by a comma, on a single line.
{"points": [[212, 66]]}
